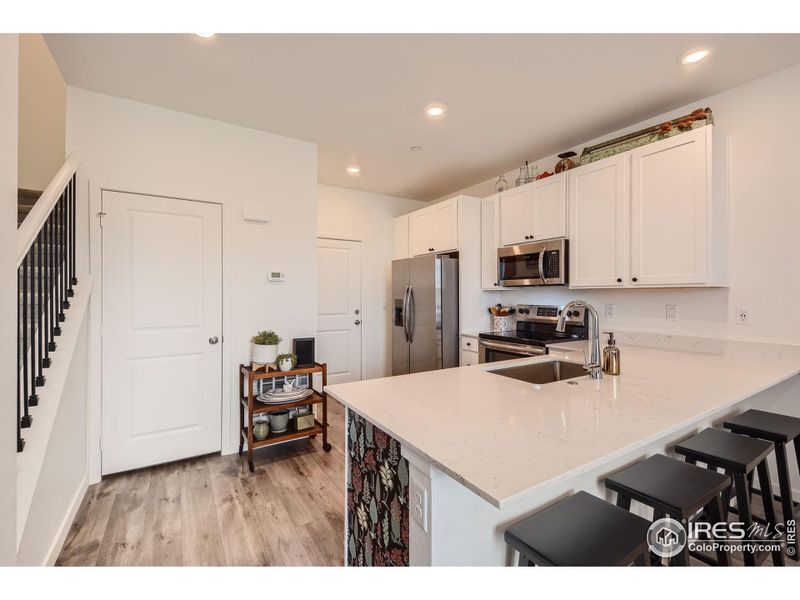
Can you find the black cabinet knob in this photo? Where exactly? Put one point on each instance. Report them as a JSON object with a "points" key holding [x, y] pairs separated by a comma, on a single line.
{"points": [[635, 279], [619, 279]]}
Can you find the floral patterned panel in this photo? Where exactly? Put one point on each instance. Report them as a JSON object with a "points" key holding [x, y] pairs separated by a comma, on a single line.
{"points": [[377, 497]]}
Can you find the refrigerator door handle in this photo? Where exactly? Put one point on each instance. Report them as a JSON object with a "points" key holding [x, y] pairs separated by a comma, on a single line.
{"points": [[405, 314], [410, 319]]}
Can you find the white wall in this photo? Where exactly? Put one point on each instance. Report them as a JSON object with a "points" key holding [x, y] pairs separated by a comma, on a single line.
{"points": [[64, 475], [42, 113], [757, 125], [351, 214], [9, 69], [135, 147]]}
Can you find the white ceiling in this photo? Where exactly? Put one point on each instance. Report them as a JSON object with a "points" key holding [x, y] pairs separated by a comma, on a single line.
{"points": [[361, 98]]}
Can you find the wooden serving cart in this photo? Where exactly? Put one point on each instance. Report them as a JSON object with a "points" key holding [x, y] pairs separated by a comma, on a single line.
{"points": [[253, 407]]}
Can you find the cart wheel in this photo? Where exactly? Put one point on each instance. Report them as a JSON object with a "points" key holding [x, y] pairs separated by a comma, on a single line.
{"points": [[313, 436], [327, 447], [251, 465]]}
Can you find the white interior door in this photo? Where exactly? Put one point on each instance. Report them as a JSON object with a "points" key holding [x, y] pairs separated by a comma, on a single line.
{"points": [[162, 312], [339, 314]]}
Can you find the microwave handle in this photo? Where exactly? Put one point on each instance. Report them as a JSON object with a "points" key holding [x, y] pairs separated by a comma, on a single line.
{"points": [[541, 264]]}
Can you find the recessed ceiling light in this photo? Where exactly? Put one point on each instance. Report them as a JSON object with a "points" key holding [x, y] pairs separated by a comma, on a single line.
{"points": [[416, 148], [206, 36], [694, 55], [354, 169], [436, 111]]}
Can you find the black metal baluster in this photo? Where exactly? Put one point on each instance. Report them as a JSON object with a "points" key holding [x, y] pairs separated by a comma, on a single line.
{"points": [[62, 263], [31, 355], [40, 379], [26, 417], [44, 265], [54, 271], [20, 397], [72, 202], [50, 322]]}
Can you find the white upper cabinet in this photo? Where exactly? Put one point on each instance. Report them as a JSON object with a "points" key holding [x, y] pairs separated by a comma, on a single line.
{"points": [[647, 218], [670, 199], [535, 211], [598, 206], [401, 238], [434, 229]]}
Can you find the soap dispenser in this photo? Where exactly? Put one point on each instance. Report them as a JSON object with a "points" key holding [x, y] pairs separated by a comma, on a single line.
{"points": [[611, 355]]}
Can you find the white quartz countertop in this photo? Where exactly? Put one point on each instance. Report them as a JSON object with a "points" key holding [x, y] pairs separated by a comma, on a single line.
{"points": [[502, 438]]}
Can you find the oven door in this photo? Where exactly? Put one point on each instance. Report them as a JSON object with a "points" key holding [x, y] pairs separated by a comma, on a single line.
{"points": [[492, 351], [537, 263]]}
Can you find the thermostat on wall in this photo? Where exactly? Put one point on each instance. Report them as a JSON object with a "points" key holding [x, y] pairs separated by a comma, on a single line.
{"points": [[276, 276]]}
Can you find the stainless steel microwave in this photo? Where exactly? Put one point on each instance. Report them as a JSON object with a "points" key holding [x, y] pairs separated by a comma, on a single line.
{"points": [[535, 263]]}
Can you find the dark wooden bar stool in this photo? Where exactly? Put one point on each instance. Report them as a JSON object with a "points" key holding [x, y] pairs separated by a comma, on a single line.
{"points": [[738, 456], [780, 430], [674, 488], [581, 531]]}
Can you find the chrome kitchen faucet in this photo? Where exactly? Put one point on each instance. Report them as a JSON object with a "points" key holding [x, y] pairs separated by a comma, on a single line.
{"points": [[592, 364]]}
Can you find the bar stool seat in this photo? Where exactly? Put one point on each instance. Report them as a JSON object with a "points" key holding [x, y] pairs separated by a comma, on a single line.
{"points": [[672, 487], [780, 430], [739, 456], [580, 530]]}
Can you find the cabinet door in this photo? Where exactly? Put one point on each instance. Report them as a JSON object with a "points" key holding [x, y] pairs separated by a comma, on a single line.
{"points": [[515, 216], [490, 210], [468, 358], [669, 211], [401, 237], [444, 226], [420, 232], [598, 201], [548, 198]]}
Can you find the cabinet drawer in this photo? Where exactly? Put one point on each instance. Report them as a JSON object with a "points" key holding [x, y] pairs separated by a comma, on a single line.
{"points": [[468, 358], [469, 343]]}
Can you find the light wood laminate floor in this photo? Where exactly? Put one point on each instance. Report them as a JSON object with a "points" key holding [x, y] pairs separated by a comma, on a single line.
{"points": [[212, 511]]}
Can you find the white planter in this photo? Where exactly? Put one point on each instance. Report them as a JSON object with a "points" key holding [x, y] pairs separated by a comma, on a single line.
{"points": [[263, 354], [286, 364]]}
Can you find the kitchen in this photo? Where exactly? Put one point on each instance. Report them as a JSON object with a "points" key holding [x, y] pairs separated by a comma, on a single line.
{"points": [[651, 218]]}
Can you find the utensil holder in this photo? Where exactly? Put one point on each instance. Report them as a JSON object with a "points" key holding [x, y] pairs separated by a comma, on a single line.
{"points": [[502, 323]]}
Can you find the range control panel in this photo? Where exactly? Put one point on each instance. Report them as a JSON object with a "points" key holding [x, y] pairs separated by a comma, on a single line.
{"points": [[548, 314]]}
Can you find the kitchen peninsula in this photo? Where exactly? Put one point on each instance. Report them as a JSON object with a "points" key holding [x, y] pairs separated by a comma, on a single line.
{"points": [[484, 450]]}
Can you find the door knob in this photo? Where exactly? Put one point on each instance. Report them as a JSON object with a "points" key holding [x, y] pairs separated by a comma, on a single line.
{"points": [[358, 312], [358, 322], [213, 340]]}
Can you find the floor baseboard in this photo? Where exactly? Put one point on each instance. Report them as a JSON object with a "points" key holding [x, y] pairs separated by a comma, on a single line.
{"points": [[66, 523]]}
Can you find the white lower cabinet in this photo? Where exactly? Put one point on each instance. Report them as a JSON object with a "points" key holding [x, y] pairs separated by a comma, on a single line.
{"points": [[468, 358], [469, 350]]}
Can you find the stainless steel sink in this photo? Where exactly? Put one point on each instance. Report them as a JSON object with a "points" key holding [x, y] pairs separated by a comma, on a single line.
{"points": [[544, 372]]}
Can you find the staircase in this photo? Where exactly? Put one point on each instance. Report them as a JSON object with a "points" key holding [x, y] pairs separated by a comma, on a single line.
{"points": [[45, 280]]}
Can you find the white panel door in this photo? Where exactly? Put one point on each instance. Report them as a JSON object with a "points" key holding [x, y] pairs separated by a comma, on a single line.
{"points": [[549, 207], [515, 216], [162, 309], [339, 314], [669, 211], [598, 205]]}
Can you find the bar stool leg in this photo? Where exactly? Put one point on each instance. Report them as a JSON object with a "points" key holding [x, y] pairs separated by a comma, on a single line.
{"points": [[743, 509], [765, 486], [785, 485], [716, 515]]}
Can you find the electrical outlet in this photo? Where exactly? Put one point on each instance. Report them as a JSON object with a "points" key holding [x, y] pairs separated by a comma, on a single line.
{"points": [[611, 311], [672, 312], [742, 315], [418, 497]]}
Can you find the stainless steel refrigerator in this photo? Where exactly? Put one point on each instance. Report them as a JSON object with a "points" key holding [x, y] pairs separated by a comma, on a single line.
{"points": [[425, 314]]}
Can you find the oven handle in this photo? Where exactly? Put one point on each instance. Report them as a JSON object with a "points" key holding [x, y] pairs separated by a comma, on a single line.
{"points": [[541, 265], [518, 348]]}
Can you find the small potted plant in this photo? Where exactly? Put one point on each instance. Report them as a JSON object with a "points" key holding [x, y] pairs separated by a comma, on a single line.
{"points": [[265, 347], [286, 362]]}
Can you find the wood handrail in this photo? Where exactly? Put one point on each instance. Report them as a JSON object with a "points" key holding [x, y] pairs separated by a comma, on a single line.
{"points": [[34, 221]]}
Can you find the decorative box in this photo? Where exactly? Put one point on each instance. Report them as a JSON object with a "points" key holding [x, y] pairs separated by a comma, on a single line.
{"points": [[304, 421]]}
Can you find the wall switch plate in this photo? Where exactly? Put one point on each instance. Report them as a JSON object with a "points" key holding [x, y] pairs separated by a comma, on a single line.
{"points": [[742, 315], [276, 276], [611, 311], [418, 498], [672, 312]]}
